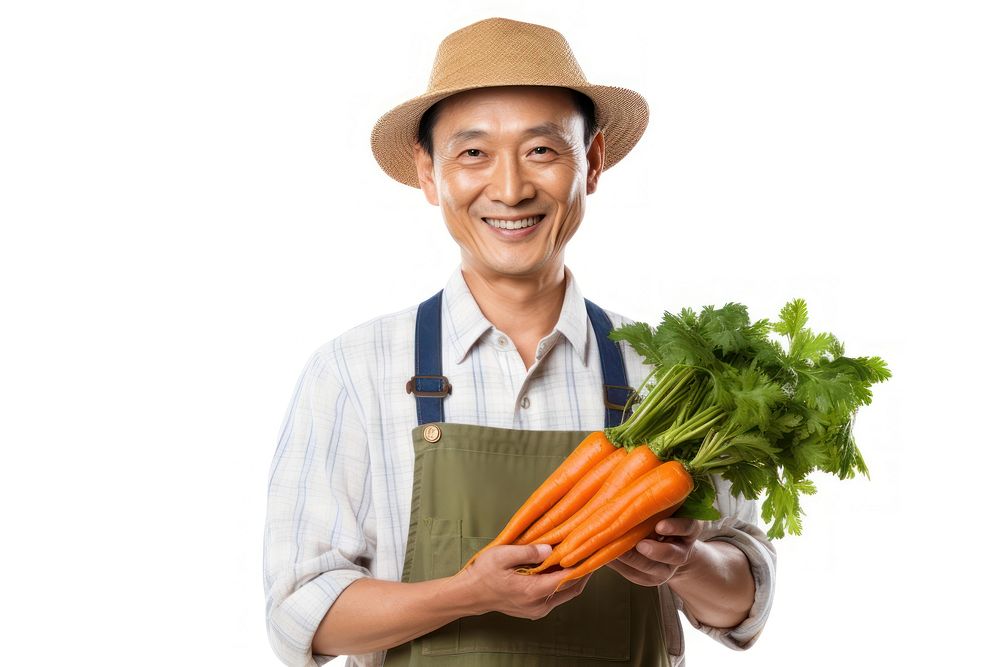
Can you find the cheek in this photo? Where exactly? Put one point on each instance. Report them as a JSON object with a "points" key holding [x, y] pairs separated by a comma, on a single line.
{"points": [[568, 185], [459, 186], [574, 200], [456, 195]]}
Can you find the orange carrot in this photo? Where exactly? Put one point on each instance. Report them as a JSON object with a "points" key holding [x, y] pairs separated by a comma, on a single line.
{"points": [[638, 462], [660, 488], [616, 548], [665, 485], [595, 447], [577, 497]]}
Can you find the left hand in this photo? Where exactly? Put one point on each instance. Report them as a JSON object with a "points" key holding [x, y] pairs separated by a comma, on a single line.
{"points": [[657, 558]]}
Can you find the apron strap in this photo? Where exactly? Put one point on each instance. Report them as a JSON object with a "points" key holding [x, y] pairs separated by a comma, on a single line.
{"points": [[427, 384], [616, 389], [430, 388]]}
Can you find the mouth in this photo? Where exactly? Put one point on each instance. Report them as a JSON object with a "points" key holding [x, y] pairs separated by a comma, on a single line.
{"points": [[519, 223]]}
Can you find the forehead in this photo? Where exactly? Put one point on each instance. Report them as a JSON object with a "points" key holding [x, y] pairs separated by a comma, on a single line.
{"points": [[508, 109]]}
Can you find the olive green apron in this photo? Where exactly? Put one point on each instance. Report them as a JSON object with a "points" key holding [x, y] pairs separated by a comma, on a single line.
{"points": [[467, 481]]}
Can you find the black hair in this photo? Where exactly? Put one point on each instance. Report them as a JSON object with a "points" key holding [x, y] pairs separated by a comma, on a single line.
{"points": [[583, 104]]}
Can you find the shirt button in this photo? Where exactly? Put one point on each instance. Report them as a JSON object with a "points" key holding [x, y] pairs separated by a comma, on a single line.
{"points": [[525, 403], [502, 341]]}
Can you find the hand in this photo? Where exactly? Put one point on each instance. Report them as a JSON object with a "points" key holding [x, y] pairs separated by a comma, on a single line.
{"points": [[656, 559], [494, 585]]}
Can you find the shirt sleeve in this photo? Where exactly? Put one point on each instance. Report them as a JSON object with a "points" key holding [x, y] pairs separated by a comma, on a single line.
{"points": [[738, 526], [314, 541]]}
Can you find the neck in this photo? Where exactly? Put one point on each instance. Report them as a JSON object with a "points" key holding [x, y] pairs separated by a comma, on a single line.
{"points": [[526, 308]]}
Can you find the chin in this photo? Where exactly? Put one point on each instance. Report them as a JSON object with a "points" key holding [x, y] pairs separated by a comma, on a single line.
{"points": [[517, 270]]}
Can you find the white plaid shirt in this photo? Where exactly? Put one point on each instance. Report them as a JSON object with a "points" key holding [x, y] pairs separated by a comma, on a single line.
{"points": [[341, 480]]}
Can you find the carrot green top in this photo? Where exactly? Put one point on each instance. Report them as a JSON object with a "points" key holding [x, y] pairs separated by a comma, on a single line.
{"points": [[727, 396]]}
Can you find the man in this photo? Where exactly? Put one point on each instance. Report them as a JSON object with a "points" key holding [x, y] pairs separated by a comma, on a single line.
{"points": [[370, 519]]}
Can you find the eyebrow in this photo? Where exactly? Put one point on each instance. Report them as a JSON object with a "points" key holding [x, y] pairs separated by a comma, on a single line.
{"points": [[547, 129]]}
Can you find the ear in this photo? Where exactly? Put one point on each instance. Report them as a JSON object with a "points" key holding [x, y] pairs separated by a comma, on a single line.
{"points": [[595, 162], [425, 173]]}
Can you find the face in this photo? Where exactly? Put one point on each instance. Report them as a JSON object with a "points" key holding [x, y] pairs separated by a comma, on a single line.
{"points": [[511, 174]]}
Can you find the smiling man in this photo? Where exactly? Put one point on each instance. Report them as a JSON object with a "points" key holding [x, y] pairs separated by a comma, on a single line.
{"points": [[511, 172], [412, 438]]}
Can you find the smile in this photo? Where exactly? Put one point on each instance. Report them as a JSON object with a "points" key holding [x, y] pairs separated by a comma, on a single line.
{"points": [[523, 223]]}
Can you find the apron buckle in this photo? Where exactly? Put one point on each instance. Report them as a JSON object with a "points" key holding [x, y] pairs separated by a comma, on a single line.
{"points": [[428, 386], [616, 397]]}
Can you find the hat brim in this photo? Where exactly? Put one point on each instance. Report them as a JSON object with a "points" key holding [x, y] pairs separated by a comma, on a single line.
{"points": [[622, 115]]}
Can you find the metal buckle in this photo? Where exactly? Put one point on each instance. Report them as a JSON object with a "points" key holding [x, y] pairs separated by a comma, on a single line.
{"points": [[615, 406], [411, 387]]}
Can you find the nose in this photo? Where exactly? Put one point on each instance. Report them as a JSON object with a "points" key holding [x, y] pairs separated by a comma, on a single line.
{"points": [[510, 183]]}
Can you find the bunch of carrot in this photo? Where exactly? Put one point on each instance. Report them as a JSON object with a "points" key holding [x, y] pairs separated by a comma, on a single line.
{"points": [[723, 398], [599, 503]]}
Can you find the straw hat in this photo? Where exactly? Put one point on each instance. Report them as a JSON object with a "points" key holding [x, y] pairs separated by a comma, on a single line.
{"points": [[502, 52]]}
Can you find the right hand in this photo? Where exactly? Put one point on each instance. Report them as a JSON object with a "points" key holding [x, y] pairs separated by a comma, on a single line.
{"points": [[494, 585]]}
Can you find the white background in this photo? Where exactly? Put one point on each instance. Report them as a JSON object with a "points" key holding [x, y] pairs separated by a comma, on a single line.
{"points": [[189, 208]]}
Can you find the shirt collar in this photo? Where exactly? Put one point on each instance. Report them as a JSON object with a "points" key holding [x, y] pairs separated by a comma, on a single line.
{"points": [[465, 323], [574, 323]]}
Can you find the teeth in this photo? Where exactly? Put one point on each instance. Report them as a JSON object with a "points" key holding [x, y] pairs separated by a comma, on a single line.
{"points": [[514, 224]]}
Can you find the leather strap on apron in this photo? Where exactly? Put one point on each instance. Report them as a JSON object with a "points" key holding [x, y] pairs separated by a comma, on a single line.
{"points": [[467, 481]]}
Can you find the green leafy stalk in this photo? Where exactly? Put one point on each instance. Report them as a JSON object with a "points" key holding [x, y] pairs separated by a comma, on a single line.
{"points": [[727, 399], [692, 428], [655, 412]]}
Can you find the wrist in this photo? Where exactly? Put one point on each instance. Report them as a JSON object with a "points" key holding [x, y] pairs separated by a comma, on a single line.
{"points": [[716, 584], [460, 594]]}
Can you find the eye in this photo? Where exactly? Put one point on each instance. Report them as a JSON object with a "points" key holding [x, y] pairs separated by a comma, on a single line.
{"points": [[472, 152], [540, 150]]}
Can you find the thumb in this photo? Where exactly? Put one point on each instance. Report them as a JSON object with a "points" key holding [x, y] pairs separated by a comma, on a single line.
{"points": [[521, 554]]}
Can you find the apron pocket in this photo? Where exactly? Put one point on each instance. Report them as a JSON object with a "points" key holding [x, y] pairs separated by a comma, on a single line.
{"points": [[593, 625]]}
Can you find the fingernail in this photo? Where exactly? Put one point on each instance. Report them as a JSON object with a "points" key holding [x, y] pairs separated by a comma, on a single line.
{"points": [[642, 548]]}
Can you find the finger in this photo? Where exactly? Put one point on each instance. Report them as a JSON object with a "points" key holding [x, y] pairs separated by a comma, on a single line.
{"points": [[670, 553], [512, 555], [678, 527], [549, 583], [634, 575], [652, 566], [565, 583], [568, 593]]}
